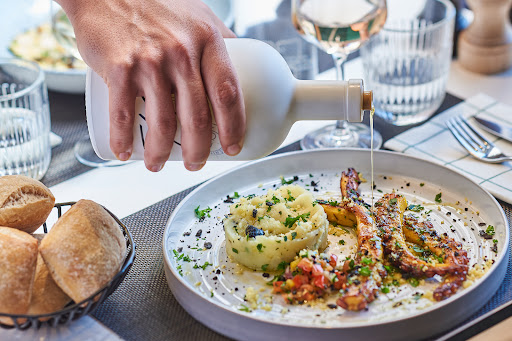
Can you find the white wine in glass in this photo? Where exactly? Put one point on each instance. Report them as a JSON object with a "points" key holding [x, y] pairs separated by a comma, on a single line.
{"points": [[339, 27]]}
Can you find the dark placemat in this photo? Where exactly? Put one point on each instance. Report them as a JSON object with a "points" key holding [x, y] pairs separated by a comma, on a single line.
{"points": [[68, 121]]}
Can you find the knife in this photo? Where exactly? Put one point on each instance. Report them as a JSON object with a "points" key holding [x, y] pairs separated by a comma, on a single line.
{"points": [[499, 129]]}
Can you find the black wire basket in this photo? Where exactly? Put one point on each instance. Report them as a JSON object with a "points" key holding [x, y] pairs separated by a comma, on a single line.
{"points": [[74, 311]]}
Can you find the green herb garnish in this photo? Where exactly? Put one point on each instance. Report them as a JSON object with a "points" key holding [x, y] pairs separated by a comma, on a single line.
{"points": [[264, 267], [414, 282], [438, 197], [244, 308], [201, 214], [415, 208], [292, 220], [365, 271], [490, 230], [234, 250]]}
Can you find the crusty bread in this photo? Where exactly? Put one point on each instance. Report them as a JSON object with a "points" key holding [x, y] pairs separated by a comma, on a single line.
{"points": [[83, 250], [25, 203], [18, 257], [47, 297]]}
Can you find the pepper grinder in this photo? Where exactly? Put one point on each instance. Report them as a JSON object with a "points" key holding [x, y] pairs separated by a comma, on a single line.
{"points": [[486, 45]]}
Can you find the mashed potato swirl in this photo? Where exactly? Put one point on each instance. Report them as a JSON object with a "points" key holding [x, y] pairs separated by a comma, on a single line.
{"points": [[264, 231]]}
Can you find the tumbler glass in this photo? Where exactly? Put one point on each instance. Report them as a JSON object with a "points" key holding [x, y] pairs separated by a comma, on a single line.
{"points": [[407, 63], [24, 119]]}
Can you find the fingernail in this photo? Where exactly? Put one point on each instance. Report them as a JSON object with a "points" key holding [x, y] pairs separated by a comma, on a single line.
{"points": [[125, 156], [195, 166], [234, 149], [156, 168]]}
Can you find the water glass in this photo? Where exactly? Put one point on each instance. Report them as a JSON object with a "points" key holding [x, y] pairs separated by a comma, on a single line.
{"points": [[407, 63], [24, 119]]}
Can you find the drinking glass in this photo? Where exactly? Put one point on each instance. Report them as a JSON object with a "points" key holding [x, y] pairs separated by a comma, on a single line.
{"points": [[408, 62], [65, 35], [24, 119], [339, 27]]}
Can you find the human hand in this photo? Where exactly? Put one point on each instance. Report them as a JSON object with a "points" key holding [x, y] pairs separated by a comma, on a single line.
{"points": [[155, 48]]}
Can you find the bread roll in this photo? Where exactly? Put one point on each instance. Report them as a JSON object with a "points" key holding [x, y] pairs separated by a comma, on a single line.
{"points": [[47, 297], [83, 250], [18, 256], [25, 203]]}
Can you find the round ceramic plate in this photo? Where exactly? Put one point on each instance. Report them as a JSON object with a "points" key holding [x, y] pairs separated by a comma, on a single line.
{"points": [[212, 288]]}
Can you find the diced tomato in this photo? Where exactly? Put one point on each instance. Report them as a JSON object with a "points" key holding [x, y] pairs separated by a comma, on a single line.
{"points": [[340, 283], [332, 261], [305, 265], [299, 280], [317, 270], [320, 281], [278, 287]]}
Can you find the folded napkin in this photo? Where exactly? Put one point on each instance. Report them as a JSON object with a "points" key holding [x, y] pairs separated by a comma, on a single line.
{"points": [[433, 141]]}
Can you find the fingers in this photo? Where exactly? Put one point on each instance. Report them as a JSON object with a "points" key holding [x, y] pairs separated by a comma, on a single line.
{"points": [[195, 120], [121, 107], [161, 120], [225, 94]]}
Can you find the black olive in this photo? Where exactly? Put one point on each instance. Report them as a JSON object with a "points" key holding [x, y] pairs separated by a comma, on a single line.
{"points": [[253, 231], [199, 233], [207, 245], [254, 213]]}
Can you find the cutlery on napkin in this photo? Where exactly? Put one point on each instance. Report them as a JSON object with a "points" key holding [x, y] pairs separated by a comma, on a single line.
{"points": [[433, 141]]}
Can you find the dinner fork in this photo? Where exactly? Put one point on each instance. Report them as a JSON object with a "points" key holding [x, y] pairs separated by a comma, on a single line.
{"points": [[477, 145]]}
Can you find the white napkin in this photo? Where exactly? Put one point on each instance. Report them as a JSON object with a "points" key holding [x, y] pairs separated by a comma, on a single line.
{"points": [[433, 141]]}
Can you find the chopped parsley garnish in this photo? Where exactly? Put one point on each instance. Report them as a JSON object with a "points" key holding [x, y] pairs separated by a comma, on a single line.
{"points": [[422, 184], [292, 220], [204, 266], [333, 203], [294, 234], [351, 264], [414, 282], [236, 195], [281, 266], [275, 200], [211, 293], [260, 247], [365, 271], [201, 214], [438, 197], [290, 197], [264, 267], [415, 208], [341, 242], [234, 250], [490, 230], [392, 201], [417, 249], [366, 261], [245, 308], [287, 182], [385, 290], [495, 241]]}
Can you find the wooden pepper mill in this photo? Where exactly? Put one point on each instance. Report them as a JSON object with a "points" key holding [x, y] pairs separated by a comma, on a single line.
{"points": [[486, 45]]}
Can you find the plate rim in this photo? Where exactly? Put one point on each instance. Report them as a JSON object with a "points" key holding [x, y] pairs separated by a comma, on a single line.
{"points": [[351, 325]]}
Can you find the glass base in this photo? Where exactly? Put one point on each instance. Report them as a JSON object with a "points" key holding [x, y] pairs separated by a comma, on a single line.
{"points": [[84, 153], [331, 137]]}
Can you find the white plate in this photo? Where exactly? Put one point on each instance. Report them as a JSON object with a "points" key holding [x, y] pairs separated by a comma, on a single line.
{"points": [[412, 319]]}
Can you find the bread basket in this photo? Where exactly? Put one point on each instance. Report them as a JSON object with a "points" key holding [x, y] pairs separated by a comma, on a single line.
{"points": [[74, 311]]}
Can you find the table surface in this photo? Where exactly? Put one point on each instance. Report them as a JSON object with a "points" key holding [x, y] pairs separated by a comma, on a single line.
{"points": [[128, 189]]}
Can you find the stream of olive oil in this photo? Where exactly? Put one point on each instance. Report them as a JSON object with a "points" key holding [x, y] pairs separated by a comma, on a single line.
{"points": [[371, 159]]}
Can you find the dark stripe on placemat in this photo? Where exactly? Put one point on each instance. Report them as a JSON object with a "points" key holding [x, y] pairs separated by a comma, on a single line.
{"points": [[68, 121]]}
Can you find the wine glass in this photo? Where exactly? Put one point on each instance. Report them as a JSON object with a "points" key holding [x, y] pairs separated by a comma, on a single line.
{"points": [[65, 36], [339, 27]]}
